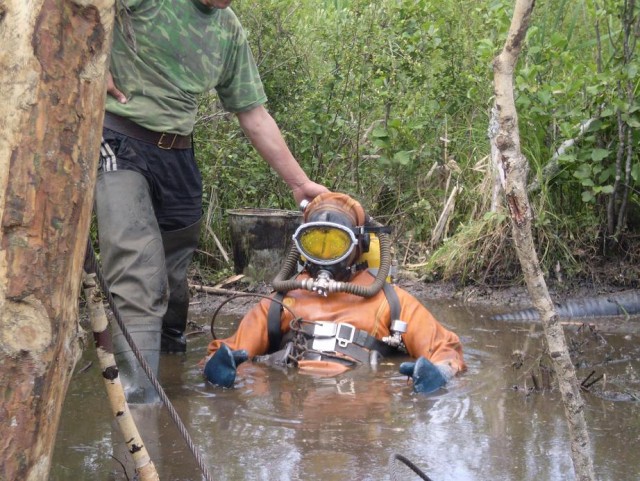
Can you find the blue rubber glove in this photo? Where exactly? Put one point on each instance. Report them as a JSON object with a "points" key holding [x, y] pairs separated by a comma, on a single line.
{"points": [[426, 376], [220, 369]]}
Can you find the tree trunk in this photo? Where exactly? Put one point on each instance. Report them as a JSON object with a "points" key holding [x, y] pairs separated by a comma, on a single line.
{"points": [[515, 165], [52, 69]]}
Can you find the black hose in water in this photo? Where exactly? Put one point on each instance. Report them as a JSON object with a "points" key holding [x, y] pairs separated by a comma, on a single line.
{"points": [[395, 460], [615, 304]]}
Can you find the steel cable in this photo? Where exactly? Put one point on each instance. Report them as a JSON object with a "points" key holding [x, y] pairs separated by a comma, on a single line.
{"points": [[91, 266]]}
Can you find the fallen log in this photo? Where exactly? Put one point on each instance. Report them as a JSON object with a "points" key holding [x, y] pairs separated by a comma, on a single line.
{"points": [[214, 290]]}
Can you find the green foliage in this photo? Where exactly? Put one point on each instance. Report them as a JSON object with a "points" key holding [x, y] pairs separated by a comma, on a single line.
{"points": [[389, 101]]}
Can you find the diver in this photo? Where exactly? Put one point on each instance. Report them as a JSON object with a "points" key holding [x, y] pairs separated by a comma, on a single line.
{"points": [[335, 309]]}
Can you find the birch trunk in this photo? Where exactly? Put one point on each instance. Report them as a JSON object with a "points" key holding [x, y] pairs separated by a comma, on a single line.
{"points": [[145, 469], [53, 57], [515, 166]]}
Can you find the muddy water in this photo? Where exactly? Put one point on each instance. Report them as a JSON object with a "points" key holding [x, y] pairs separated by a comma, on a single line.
{"points": [[279, 425]]}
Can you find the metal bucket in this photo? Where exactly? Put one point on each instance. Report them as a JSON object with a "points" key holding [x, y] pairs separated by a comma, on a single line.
{"points": [[261, 239]]}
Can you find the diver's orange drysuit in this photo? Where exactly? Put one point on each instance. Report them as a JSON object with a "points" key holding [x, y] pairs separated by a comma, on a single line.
{"points": [[425, 336]]}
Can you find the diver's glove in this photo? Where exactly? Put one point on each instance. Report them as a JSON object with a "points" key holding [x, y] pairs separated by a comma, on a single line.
{"points": [[427, 377], [220, 369]]}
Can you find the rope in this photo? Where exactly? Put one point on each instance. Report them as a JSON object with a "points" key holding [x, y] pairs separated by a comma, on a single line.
{"points": [[91, 265]]}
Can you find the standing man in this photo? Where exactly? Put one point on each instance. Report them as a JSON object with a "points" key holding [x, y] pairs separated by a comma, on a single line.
{"points": [[149, 189]]}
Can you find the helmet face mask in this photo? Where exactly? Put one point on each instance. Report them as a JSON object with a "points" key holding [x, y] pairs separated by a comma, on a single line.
{"points": [[337, 253], [330, 239], [325, 243]]}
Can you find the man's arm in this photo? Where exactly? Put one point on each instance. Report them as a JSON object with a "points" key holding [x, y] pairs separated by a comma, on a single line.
{"points": [[267, 139]]}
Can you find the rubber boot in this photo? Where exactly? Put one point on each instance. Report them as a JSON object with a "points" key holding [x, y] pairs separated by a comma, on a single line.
{"points": [[179, 246], [133, 265], [145, 334]]}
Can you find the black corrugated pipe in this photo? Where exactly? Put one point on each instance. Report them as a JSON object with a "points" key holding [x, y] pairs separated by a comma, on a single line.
{"points": [[283, 283], [614, 304]]}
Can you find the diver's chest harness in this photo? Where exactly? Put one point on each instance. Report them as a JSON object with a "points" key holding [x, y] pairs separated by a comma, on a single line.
{"points": [[334, 341]]}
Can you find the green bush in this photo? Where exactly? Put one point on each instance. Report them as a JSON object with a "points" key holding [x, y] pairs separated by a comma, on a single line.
{"points": [[390, 101]]}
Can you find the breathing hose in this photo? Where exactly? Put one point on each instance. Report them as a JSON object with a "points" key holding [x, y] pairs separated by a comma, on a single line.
{"points": [[91, 266], [283, 282]]}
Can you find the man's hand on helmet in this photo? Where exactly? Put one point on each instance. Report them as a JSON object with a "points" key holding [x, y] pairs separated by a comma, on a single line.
{"points": [[307, 191]]}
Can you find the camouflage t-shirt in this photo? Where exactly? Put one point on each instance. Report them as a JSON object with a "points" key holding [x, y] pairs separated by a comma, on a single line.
{"points": [[167, 52]]}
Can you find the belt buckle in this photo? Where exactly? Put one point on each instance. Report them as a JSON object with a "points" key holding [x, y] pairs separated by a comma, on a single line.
{"points": [[161, 141], [345, 334]]}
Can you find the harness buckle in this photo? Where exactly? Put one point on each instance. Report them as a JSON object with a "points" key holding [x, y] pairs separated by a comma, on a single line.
{"points": [[324, 329], [323, 337], [161, 141], [327, 334], [345, 334]]}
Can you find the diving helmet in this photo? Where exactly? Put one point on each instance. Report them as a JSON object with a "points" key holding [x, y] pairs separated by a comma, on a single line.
{"points": [[332, 236], [330, 244]]}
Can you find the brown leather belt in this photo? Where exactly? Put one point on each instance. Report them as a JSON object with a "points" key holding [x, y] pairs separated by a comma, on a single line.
{"points": [[129, 128]]}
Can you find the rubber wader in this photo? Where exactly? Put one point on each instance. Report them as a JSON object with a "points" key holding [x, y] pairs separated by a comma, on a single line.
{"points": [[179, 246], [134, 267]]}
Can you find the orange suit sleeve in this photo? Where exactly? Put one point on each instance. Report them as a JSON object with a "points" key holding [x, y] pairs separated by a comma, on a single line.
{"points": [[426, 337], [252, 333]]}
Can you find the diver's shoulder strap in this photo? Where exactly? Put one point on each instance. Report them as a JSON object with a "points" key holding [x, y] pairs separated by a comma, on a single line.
{"points": [[273, 322], [393, 300]]}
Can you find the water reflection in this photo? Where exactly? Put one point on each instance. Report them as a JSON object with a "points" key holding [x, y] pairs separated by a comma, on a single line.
{"points": [[281, 425]]}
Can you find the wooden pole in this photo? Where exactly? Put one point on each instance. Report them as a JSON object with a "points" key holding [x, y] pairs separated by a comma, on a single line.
{"points": [[144, 467], [53, 58]]}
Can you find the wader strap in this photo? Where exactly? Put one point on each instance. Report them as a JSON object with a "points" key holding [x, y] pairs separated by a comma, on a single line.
{"points": [[393, 300], [273, 322]]}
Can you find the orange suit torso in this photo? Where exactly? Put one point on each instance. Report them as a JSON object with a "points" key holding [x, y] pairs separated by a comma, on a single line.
{"points": [[425, 336]]}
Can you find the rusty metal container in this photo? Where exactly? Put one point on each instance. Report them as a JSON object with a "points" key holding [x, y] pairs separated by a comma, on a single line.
{"points": [[261, 239]]}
